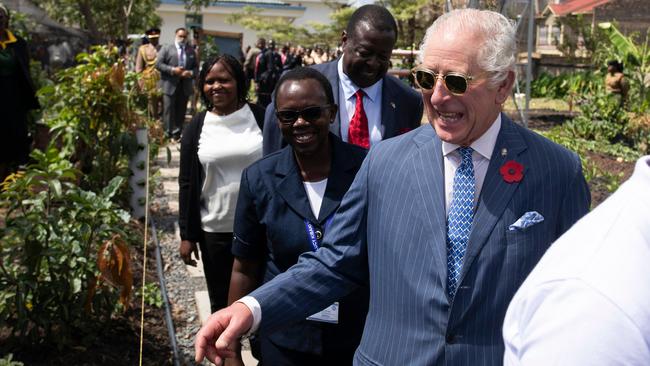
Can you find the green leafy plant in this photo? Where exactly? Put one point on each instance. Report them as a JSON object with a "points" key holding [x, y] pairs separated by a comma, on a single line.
{"points": [[152, 295], [55, 239], [8, 361]]}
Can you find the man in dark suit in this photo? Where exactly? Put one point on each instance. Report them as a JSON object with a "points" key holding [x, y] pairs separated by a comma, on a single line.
{"points": [[388, 107], [443, 223], [178, 66], [268, 68]]}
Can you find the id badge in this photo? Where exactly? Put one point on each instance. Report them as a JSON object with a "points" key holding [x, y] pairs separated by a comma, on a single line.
{"points": [[328, 315]]}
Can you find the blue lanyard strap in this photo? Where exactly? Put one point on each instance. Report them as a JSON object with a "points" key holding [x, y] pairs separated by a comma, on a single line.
{"points": [[312, 233]]}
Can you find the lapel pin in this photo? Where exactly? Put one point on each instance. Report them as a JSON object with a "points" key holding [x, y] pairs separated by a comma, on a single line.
{"points": [[504, 152], [392, 104]]}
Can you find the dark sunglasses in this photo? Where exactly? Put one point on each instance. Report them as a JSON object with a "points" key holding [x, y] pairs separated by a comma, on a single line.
{"points": [[309, 114], [457, 83]]}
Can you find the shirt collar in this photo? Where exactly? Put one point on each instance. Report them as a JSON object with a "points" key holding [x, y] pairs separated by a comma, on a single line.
{"points": [[484, 145], [10, 39], [350, 88]]}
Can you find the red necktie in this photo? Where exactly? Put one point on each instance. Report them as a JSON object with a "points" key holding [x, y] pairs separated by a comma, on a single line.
{"points": [[358, 130]]}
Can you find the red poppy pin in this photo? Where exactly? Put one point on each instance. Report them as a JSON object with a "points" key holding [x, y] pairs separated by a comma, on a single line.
{"points": [[512, 171]]}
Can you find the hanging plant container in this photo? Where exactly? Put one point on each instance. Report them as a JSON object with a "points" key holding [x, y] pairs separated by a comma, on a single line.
{"points": [[138, 180]]}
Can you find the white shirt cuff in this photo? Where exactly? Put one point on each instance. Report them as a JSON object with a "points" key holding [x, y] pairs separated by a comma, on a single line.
{"points": [[256, 309]]}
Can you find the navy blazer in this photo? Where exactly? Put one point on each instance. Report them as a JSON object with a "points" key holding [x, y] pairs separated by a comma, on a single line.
{"points": [[390, 232], [401, 109], [270, 225]]}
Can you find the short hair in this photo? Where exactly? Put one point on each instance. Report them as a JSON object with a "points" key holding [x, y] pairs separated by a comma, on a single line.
{"points": [[180, 29], [618, 66], [377, 16], [305, 73], [235, 69], [496, 51]]}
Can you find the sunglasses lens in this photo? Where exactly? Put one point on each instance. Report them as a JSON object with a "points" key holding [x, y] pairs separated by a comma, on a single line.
{"points": [[456, 84], [311, 114], [425, 80], [287, 116]]}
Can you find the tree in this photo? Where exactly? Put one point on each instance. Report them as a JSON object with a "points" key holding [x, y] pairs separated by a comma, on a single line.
{"points": [[283, 30], [104, 19], [413, 18]]}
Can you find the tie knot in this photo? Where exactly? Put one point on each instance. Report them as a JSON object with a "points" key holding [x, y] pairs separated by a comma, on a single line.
{"points": [[360, 93], [465, 154]]}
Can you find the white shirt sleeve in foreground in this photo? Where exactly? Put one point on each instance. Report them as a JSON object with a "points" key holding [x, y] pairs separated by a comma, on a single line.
{"points": [[568, 322]]}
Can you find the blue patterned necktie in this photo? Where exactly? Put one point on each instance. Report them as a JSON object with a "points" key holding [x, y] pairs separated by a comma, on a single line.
{"points": [[459, 221]]}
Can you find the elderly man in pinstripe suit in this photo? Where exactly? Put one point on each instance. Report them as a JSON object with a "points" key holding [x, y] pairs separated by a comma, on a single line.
{"points": [[443, 223]]}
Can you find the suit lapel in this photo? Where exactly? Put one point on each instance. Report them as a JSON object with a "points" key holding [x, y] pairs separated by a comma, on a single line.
{"points": [[341, 176], [495, 193], [429, 177], [331, 72], [290, 186], [388, 108]]}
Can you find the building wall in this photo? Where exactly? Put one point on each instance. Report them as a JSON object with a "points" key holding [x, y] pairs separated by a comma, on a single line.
{"points": [[173, 14]]}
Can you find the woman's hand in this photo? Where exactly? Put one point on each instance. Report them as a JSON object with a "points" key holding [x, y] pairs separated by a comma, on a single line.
{"points": [[186, 250]]}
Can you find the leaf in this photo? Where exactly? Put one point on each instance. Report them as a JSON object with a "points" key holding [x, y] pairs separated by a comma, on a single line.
{"points": [[113, 186], [55, 185]]}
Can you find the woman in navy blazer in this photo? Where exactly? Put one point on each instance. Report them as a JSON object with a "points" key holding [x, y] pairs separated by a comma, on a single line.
{"points": [[282, 213]]}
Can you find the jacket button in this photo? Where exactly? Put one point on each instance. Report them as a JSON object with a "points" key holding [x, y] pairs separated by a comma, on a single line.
{"points": [[450, 338]]}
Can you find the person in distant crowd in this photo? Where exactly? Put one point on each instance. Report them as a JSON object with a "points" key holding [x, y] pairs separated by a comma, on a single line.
{"points": [[251, 59], [281, 198], [318, 55], [374, 106], [443, 223], [587, 301], [307, 60], [216, 146], [145, 65], [267, 73], [615, 81], [295, 58], [284, 53], [178, 65], [17, 97]]}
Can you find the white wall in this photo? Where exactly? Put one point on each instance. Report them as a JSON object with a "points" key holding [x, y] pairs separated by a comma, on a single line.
{"points": [[214, 18]]}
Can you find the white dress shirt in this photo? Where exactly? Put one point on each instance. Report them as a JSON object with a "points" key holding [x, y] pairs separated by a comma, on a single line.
{"points": [[181, 54], [483, 148], [587, 302], [371, 105]]}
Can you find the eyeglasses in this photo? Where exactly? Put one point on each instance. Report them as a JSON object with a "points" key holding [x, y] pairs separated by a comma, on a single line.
{"points": [[310, 114], [456, 82]]}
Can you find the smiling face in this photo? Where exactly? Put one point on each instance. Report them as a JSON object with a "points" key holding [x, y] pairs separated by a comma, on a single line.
{"points": [[220, 89], [366, 54], [461, 119], [305, 136]]}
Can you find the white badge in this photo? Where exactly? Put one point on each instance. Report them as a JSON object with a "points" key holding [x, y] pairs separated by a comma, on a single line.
{"points": [[328, 315]]}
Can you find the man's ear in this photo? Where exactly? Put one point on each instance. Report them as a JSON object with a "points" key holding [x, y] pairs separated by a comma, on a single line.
{"points": [[344, 38], [504, 88]]}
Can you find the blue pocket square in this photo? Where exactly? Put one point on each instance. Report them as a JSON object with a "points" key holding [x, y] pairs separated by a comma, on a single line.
{"points": [[527, 220]]}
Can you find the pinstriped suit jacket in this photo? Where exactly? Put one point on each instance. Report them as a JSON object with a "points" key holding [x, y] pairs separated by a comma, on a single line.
{"points": [[390, 233]]}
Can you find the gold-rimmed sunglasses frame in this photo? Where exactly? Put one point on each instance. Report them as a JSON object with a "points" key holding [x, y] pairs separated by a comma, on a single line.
{"points": [[468, 78]]}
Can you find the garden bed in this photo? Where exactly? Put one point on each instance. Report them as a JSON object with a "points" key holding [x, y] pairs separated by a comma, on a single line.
{"points": [[117, 342]]}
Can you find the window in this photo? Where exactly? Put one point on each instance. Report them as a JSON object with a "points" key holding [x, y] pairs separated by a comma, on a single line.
{"points": [[556, 35], [542, 35], [193, 21]]}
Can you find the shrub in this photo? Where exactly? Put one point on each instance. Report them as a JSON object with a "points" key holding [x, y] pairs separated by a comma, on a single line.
{"points": [[55, 235]]}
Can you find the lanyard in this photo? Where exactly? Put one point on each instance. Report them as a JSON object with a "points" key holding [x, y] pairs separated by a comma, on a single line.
{"points": [[314, 235]]}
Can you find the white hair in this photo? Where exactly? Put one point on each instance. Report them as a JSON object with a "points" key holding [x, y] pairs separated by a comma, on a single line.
{"points": [[496, 52]]}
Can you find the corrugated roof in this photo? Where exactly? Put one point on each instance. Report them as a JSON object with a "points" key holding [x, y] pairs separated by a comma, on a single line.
{"points": [[576, 6]]}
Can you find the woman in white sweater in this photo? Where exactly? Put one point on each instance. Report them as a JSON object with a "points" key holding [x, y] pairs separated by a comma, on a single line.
{"points": [[216, 146]]}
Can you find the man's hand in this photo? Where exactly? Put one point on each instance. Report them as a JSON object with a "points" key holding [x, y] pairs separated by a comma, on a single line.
{"points": [[177, 71], [219, 337], [186, 74], [186, 250]]}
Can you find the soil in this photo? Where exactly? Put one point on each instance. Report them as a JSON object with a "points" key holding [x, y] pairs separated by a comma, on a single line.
{"points": [[117, 342], [604, 162]]}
